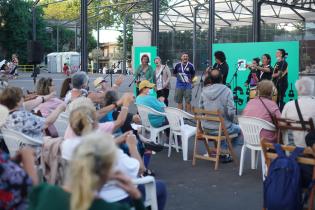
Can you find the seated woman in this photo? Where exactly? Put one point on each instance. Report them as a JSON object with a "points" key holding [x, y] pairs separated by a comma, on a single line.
{"points": [[263, 107], [158, 104], [83, 122], [21, 119], [109, 127], [46, 86], [91, 167], [65, 88]]}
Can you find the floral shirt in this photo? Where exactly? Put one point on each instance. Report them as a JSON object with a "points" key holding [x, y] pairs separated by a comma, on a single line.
{"points": [[27, 123], [14, 185]]}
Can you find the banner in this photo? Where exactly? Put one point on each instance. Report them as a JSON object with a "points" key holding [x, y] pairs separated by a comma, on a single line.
{"points": [[240, 54]]}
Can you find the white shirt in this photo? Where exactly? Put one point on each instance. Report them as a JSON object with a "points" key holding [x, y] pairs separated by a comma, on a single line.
{"points": [[306, 104], [110, 192]]}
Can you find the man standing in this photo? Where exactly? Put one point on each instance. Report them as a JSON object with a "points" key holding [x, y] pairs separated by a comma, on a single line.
{"points": [[221, 64], [184, 72]]}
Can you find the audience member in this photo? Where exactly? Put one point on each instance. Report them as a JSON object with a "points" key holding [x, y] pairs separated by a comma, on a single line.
{"points": [[216, 96], [263, 107], [91, 167], [21, 119], [306, 101], [157, 104], [46, 86], [65, 88]]}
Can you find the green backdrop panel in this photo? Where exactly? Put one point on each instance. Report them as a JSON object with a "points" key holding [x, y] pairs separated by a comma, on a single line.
{"points": [[247, 51], [138, 52]]}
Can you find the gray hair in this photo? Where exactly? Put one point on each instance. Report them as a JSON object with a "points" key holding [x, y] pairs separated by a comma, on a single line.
{"points": [[305, 86], [79, 79]]}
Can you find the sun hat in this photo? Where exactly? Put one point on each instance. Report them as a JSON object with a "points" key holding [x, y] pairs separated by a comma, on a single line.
{"points": [[145, 84]]}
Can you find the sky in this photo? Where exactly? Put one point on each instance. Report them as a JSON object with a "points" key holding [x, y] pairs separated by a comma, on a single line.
{"points": [[107, 35]]}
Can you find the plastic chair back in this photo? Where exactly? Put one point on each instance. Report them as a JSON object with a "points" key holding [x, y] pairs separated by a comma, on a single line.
{"points": [[150, 191], [144, 112], [251, 128], [176, 117], [15, 140]]}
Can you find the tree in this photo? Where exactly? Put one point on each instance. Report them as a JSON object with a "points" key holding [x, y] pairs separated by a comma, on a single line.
{"points": [[16, 28]]}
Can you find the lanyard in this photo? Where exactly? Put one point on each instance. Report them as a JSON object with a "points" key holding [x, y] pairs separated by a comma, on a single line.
{"points": [[183, 69]]}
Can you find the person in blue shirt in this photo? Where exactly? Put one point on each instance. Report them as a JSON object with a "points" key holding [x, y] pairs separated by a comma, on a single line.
{"points": [[185, 72], [157, 104]]}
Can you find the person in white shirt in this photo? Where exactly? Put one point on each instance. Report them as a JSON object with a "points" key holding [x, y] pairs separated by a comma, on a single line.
{"points": [[306, 101]]}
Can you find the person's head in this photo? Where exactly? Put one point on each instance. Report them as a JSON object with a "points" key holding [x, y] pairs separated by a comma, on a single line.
{"points": [[111, 97], [90, 168], [219, 57], [265, 89], [280, 54], [310, 139], [157, 60], [305, 86], [64, 64], [214, 77], [65, 87], [145, 86], [256, 61], [12, 97], [80, 80], [100, 84], [184, 57], [14, 56], [83, 120], [266, 59], [45, 86], [145, 60]]}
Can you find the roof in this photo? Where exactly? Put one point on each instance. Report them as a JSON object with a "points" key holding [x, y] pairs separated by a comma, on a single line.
{"points": [[229, 13]]}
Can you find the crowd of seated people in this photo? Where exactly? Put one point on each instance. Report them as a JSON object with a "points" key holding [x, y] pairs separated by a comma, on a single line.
{"points": [[106, 164]]}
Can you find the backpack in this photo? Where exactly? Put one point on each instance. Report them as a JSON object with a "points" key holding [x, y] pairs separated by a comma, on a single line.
{"points": [[282, 187]]}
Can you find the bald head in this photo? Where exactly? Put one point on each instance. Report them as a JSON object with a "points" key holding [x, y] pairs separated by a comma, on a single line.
{"points": [[213, 77]]}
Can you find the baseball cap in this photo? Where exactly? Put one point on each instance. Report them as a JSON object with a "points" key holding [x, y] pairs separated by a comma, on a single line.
{"points": [[98, 81], [145, 84]]}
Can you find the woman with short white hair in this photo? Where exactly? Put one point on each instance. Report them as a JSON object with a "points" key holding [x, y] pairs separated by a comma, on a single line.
{"points": [[306, 102]]}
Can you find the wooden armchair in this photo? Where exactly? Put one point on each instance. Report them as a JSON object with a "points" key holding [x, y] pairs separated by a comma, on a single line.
{"points": [[215, 117], [308, 158], [283, 125]]}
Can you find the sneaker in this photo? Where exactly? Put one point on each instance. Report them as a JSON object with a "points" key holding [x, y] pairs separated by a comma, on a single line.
{"points": [[226, 158]]}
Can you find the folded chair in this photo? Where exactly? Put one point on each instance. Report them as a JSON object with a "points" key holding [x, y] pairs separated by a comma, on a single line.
{"points": [[176, 118], [201, 136], [308, 158]]}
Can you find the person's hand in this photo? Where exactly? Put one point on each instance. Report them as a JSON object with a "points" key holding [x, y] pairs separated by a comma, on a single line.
{"points": [[136, 119], [162, 99], [122, 138], [275, 75], [119, 80], [126, 184], [128, 99]]}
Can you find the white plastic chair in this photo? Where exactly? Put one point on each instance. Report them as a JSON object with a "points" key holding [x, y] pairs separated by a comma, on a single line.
{"points": [[61, 125], [15, 140], [175, 119], [150, 191], [251, 128], [144, 112]]}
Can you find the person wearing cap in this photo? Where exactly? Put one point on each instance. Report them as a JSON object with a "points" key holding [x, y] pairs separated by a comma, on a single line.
{"points": [[157, 104]]}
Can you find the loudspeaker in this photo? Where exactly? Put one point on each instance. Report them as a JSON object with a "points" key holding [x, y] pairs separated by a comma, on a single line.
{"points": [[35, 52]]}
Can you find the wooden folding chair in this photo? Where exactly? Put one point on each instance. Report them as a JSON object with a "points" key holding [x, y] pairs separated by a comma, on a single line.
{"points": [[308, 158], [283, 125], [215, 117]]}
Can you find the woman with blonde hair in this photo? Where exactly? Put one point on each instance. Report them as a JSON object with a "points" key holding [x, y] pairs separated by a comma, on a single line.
{"points": [[90, 168]]}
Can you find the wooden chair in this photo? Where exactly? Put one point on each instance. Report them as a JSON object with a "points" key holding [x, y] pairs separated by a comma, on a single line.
{"points": [[283, 125], [215, 117], [308, 158]]}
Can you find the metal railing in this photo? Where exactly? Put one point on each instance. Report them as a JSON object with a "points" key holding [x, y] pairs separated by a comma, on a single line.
{"points": [[26, 68]]}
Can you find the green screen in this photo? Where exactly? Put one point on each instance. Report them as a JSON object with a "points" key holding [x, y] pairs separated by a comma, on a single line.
{"points": [[235, 52]]}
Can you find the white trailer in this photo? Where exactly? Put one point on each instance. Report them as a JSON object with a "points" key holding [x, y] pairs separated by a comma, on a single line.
{"points": [[56, 60]]}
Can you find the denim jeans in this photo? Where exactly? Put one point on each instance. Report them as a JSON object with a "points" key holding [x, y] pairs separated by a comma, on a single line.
{"points": [[233, 129]]}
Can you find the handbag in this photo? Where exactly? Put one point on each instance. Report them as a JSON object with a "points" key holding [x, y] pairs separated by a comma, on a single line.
{"points": [[272, 116]]}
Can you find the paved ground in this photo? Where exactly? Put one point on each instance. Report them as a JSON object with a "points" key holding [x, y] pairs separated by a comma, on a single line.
{"points": [[199, 187]]}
